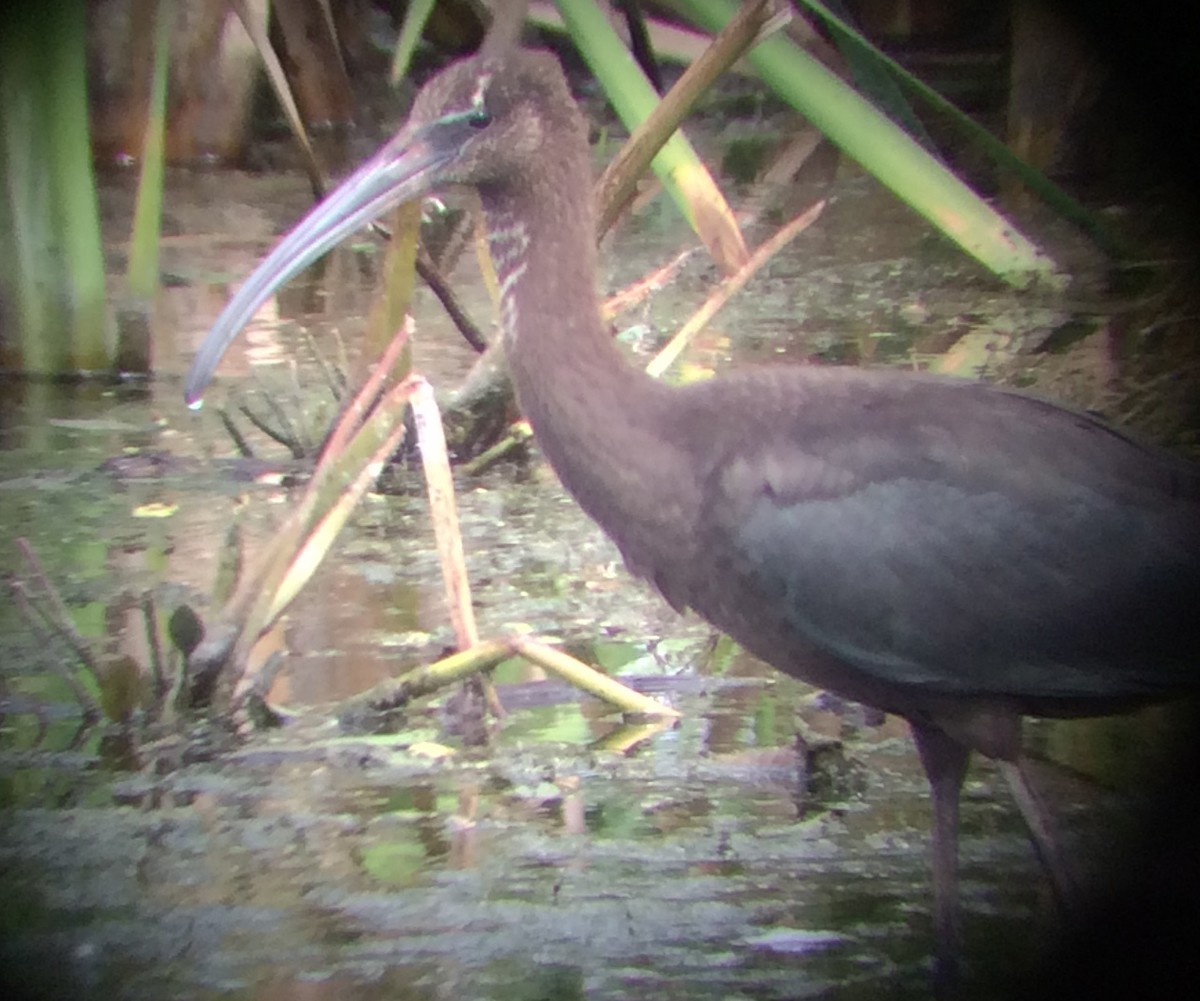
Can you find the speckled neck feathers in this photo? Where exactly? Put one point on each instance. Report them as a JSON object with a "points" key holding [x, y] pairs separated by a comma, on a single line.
{"points": [[596, 418]]}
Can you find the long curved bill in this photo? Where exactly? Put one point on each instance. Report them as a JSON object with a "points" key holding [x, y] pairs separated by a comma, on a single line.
{"points": [[405, 168]]}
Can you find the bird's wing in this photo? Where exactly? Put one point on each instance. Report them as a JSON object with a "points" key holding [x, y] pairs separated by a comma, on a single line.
{"points": [[965, 544]]}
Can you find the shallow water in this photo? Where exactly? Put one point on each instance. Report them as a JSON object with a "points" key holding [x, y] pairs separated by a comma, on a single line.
{"points": [[710, 861]]}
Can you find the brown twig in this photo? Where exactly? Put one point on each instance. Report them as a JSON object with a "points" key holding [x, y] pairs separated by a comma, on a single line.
{"points": [[57, 617], [154, 645], [36, 618], [438, 285]]}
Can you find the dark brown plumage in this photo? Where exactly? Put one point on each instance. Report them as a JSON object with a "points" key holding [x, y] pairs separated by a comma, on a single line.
{"points": [[952, 552]]}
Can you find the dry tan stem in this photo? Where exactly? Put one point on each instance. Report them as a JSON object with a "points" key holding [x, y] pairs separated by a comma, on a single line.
{"points": [[589, 679], [733, 284], [431, 677]]}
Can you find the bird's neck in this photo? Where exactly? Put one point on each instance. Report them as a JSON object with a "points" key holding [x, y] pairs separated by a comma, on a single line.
{"points": [[598, 420], [542, 243]]}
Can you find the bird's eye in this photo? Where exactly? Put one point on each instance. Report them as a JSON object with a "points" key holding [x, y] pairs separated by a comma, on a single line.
{"points": [[478, 117]]}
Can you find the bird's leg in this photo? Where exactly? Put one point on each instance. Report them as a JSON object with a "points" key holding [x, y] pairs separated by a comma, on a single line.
{"points": [[1041, 833], [945, 762]]}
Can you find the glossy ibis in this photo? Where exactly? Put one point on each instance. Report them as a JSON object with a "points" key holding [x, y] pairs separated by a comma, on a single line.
{"points": [[949, 551]]}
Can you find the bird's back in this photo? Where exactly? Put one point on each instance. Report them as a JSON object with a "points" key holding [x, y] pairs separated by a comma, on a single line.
{"points": [[910, 540]]}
